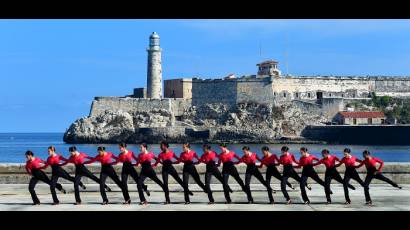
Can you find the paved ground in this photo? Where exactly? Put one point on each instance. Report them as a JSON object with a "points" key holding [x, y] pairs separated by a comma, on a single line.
{"points": [[15, 197]]}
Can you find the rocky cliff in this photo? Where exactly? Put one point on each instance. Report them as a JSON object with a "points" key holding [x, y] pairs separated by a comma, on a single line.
{"points": [[217, 122]]}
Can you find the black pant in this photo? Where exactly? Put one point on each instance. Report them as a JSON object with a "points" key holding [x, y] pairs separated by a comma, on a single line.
{"points": [[189, 169], [168, 169], [271, 170], [308, 171], [288, 171], [372, 173], [212, 170], [148, 171], [80, 171], [57, 172], [351, 173], [332, 173], [252, 170], [39, 175], [108, 171], [129, 170], [229, 169]]}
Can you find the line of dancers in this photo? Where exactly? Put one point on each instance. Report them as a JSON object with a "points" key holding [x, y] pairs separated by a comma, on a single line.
{"points": [[148, 161]]}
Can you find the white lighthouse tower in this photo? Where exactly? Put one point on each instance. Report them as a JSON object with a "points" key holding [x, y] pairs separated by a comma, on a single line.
{"points": [[154, 73]]}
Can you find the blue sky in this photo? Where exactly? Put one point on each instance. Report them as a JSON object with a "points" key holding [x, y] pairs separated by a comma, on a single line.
{"points": [[50, 70]]}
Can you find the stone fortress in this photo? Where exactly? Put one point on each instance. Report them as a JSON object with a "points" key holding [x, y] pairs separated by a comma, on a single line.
{"points": [[261, 108]]}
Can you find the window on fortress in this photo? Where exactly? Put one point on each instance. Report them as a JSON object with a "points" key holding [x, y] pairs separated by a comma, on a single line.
{"points": [[284, 94], [308, 95], [297, 95], [330, 94]]}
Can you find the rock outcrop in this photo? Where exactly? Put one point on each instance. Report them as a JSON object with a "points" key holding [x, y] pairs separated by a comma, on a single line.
{"points": [[217, 122]]}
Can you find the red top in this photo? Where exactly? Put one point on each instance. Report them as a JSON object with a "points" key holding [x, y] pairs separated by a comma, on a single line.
{"points": [[287, 159], [349, 162], [53, 160], [145, 157], [103, 159], [208, 157], [270, 160], [77, 159], [329, 162], [125, 157], [305, 161], [249, 159], [371, 163], [227, 157], [167, 156], [34, 164], [187, 156]]}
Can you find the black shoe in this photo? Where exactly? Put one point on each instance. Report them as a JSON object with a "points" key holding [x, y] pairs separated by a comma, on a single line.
{"points": [[271, 202], [293, 188], [104, 202], [228, 202], [288, 202], [250, 202], [108, 189], [400, 187], [187, 202], [370, 203], [348, 202], [56, 203], [167, 202], [148, 192], [331, 192], [328, 202], [143, 203], [63, 191], [77, 203], [308, 187], [230, 190], [190, 193], [127, 202], [37, 203], [211, 202], [83, 187], [307, 202]]}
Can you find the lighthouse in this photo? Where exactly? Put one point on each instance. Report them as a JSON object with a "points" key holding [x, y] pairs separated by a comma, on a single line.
{"points": [[154, 70]]}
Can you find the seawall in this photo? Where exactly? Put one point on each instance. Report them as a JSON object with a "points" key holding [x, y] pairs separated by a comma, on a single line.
{"points": [[363, 134], [16, 174]]}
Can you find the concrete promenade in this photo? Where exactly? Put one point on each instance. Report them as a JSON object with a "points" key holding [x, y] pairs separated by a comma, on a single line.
{"points": [[15, 197]]}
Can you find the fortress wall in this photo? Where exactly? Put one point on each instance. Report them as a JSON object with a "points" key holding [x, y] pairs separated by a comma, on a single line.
{"points": [[399, 87], [179, 105], [128, 104], [256, 90], [214, 91], [285, 88]]}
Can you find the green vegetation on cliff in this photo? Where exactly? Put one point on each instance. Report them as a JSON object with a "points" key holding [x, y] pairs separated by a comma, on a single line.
{"points": [[394, 108]]}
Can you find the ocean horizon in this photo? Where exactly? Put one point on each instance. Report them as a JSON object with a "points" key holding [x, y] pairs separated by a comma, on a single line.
{"points": [[14, 145]]}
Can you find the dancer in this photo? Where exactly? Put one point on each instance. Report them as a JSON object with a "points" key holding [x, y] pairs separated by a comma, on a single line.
{"points": [[373, 173], [208, 158], [306, 161], [331, 173], [269, 160], [249, 159], [78, 159], [229, 169], [125, 157], [105, 158], [33, 168], [165, 157], [57, 171], [287, 160], [350, 173], [187, 157], [144, 159]]}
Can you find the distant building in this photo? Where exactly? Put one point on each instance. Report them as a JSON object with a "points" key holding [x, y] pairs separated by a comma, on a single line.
{"points": [[140, 93], [268, 68], [361, 118], [178, 88]]}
